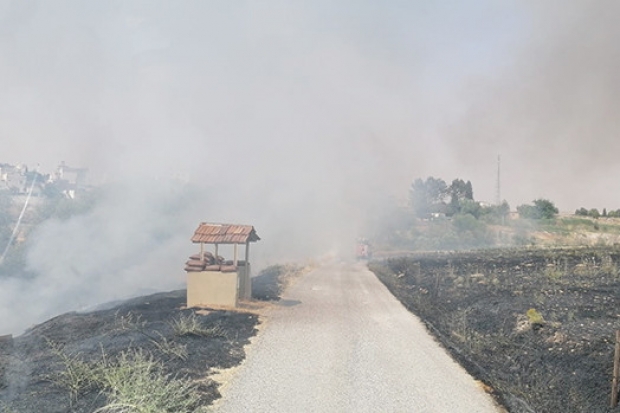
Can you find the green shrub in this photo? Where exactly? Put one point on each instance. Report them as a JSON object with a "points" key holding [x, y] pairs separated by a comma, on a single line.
{"points": [[136, 383], [76, 375], [534, 317], [553, 273], [133, 382], [190, 325]]}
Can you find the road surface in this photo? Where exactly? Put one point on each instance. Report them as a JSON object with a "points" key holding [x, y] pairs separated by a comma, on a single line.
{"points": [[340, 342]]}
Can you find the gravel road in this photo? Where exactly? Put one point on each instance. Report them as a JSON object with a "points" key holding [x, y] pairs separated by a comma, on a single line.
{"points": [[340, 342]]}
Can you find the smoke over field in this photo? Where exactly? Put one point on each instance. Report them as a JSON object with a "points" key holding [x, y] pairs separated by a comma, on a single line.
{"points": [[302, 120]]}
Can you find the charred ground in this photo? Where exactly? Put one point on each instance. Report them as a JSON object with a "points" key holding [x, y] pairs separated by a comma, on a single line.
{"points": [[537, 325], [59, 365]]}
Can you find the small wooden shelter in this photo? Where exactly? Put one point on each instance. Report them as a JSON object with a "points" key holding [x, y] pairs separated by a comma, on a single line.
{"points": [[213, 280]]}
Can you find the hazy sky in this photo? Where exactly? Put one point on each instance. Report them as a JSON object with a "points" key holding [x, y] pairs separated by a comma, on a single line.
{"points": [[352, 92], [299, 91], [294, 116]]}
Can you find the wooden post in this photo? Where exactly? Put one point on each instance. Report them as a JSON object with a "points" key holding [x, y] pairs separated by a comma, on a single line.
{"points": [[216, 251], [614, 382], [235, 255], [246, 272], [202, 250]]}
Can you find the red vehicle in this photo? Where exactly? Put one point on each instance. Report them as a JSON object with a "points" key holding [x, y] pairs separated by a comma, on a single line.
{"points": [[362, 249]]}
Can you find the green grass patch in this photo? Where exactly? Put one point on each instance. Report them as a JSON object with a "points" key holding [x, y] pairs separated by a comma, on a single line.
{"points": [[190, 325], [135, 383], [132, 382]]}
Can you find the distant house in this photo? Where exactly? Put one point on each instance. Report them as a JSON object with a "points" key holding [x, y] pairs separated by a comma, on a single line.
{"points": [[66, 180], [69, 180], [13, 178]]}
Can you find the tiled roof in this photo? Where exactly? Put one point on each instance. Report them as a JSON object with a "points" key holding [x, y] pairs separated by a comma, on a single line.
{"points": [[224, 234]]}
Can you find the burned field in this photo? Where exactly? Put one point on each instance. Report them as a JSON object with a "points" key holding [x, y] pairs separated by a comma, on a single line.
{"points": [[145, 354], [536, 325], [148, 351], [115, 357]]}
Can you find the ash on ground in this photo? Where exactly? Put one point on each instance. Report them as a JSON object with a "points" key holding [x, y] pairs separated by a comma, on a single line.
{"points": [[536, 325], [40, 370]]}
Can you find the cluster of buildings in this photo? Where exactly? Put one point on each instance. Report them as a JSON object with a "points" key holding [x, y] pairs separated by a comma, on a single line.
{"points": [[64, 181]]}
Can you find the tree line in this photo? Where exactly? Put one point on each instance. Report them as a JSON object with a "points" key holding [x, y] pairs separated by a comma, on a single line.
{"points": [[433, 197], [444, 215], [594, 213]]}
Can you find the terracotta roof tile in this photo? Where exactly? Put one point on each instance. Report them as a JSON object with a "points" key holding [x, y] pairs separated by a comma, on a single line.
{"points": [[209, 233]]}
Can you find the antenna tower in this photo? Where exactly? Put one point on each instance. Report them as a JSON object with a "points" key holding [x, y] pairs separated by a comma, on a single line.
{"points": [[498, 193]]}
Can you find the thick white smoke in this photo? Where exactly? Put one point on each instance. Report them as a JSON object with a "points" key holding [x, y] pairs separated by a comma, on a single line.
{"points": [[296, 118]]}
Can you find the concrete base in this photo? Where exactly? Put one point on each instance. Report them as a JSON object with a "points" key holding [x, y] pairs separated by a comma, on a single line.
{"points": [[212, 288], [245, 282]]}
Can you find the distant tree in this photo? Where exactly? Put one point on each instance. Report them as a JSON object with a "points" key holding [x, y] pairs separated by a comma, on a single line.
{"points": [[528, 211], [594, 213], [466, 222], [495, 214], [469, 191], [546, 208], [427, 197], [459, 192], [460, 189], [582, 212], [604, 213], [52, 191], [502, 209], [471, 207], [471, 233], [542, 209]]}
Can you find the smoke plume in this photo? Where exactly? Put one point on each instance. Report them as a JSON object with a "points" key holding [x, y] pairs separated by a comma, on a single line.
{"points": [[300, 119]]}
